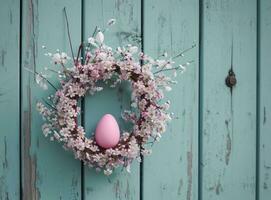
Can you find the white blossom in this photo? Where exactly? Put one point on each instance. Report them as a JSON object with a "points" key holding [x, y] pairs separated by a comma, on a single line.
{"points": [[41, 81], [91, 41], [107, 172], [100, 37], [168, 88], [133, 49], [60, 58], [183, 68]]}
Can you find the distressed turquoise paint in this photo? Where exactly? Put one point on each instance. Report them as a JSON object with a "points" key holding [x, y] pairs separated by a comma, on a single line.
{"points": [[121, 185], [225, 119], [48, 171], [171, 171], [229, 116], [265, 100], [9, 100]]}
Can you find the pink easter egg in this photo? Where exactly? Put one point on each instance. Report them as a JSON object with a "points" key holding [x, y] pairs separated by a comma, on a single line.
{"points": [[107, 134]]}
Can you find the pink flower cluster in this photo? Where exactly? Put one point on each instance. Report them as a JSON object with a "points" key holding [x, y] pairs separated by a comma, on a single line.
{"points": [[101, 63]]}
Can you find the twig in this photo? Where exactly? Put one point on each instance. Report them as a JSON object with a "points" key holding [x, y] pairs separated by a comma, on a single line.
{"points": [[78, 54], [96, 28], [44, 78], [69, 35], [174, 68], [184, 51], [53, 71], [48, 104]]}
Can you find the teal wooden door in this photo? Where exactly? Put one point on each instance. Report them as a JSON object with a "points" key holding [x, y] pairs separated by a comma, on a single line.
{"points": [[217, 148]]}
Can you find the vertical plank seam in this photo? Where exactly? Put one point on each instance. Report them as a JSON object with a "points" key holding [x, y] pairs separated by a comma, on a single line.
{"points": [[82, 101], [258, 98], [20, 100], [141, 168], [200, 99]]}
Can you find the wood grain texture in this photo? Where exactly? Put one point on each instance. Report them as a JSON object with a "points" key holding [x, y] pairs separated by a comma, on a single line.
{"points": [[48, 171], [120, 185], [171, 170], [9, 100], [229, 116], [265, 99], [224, 118]]}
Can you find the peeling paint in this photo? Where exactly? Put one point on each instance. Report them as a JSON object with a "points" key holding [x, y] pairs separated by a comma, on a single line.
{"points": [[29, 161], [180, 187], [127, 192], [3, 54], [5, 163], [267, 167], [120, 96], [264, 115], [265, 186], [266, 180], [131, 37], [29, 164], [163, 187], [7, 196], [117, 190], [74, 187], [228, 143], [189, 173], [217, 188], [31, 36], [10, 17], [89, 190], [161, 20], [228, 149], [3, 187]]}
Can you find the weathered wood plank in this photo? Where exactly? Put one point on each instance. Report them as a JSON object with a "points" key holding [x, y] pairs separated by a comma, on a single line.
{"points": [[171, 171], [48, 171], [229, 116], [120, 185], [9, 100], [265, 99]]}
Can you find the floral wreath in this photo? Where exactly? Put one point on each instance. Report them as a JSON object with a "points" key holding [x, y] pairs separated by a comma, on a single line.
{"points": [[101, 63]]}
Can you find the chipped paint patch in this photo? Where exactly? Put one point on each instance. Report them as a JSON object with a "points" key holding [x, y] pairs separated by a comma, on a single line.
{"points": [[3, 188], [264, 115], [117, 190], [217, 188], [228, 143], [127, 192], [3, 55], [179, 192], [29, 164], [89, 190], [74, 187], [10, 17], [228, 149], [189, 173], [5, 163]]}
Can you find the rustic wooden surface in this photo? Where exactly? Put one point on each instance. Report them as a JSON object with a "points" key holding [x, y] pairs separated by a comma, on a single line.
{"points": [[217, 148], [9, 100], [264, 42], [171, 171], [48, 172], [120, 185], [228, 134]]}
